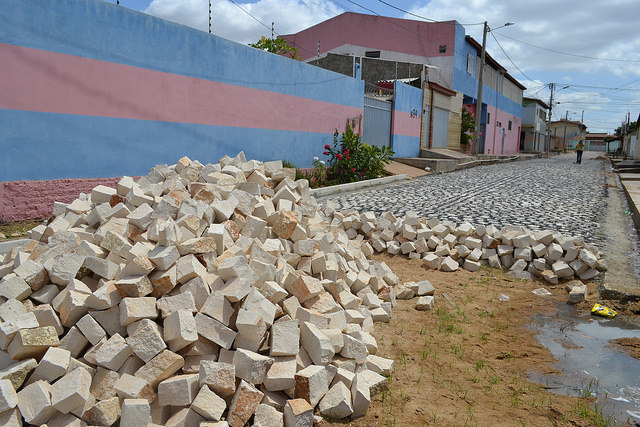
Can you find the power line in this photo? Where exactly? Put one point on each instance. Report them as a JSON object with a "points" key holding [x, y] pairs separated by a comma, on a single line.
{"points": [[509, 58], [569, 54], [256, 19], [422, 17]]}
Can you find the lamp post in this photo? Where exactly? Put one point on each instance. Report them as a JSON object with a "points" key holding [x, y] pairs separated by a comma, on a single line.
{"points": [[476, 130]]}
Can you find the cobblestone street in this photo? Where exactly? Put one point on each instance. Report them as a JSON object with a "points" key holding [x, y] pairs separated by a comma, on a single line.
{"points": [[554, 193]]}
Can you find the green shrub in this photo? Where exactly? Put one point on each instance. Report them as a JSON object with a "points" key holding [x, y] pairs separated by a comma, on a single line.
{"points": [[352, 160]]}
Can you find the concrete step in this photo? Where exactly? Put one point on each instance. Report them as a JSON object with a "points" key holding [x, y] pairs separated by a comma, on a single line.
{"points": [[444, 153], [436, 165]]}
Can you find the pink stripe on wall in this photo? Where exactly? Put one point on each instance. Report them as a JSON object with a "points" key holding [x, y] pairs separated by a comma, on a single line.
{"points": [[404, 124], [37, 80], [21, 200]]}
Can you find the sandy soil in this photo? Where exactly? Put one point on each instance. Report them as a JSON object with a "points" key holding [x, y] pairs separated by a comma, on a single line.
{"points": [[466, 362]]}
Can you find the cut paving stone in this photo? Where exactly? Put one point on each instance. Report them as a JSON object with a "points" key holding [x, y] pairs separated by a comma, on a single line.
{"points": [[244, 403]]}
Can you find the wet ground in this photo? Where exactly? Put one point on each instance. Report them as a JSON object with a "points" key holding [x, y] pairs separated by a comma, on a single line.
{"points": [[589, 363]]}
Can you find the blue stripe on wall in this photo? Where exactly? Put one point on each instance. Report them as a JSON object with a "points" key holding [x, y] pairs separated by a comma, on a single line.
{"points": [[100, 30], [406, 146], [407, 98], [38, 146]]}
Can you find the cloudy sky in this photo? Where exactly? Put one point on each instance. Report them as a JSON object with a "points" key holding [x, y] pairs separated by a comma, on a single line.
{"points": [[589, 48]]}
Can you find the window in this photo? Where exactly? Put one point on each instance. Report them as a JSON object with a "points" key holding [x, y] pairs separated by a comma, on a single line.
{"points": [[509, 124], [372, 54], [488, 117], [470, 59], [443, 48]]}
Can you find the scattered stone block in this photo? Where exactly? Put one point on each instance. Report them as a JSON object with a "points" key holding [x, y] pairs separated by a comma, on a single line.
{"points": [[179, 390], [298, 412], [34, 403], [208, 404], [244, 403], [218, 376], [135, 412], [425, 303], [71, 391], [336, 403], [32, 342]]}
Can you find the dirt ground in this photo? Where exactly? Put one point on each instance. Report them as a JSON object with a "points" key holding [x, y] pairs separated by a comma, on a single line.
{"points": [[17, 229], [466, 362]]}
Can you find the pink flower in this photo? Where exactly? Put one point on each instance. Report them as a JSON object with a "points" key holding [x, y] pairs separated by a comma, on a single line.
{"points": [[338, 156], [353, 169], [325, 153], [326, 147]]}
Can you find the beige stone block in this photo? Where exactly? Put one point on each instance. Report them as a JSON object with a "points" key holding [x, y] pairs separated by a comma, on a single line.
{"points": [[8, 396], [218, 376], [145, 339], [53, 365], [134, 387], [103, 382], [18, 372], [135, 412], [103, 413], [34, 403], [71, 391], [179, 390], [46, 316], [113, 353], [134, 309], [298, 412], [74, 341], [32, 342], [160, 367]]}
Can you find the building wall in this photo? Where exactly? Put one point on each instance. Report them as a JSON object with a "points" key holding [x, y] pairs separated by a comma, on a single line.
{"points": [[455, 121], [493, 138], [377, 33], [406, 120], [90, 89], [108, 91]]}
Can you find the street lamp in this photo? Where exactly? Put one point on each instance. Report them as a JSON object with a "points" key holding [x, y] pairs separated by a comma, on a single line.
{"points": [[476, 130]]}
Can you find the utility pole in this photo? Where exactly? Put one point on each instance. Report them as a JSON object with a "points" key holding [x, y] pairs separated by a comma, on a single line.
{"points": [[476, 130], [564, 138], [209, 16], [548, 138], [272, 30]]}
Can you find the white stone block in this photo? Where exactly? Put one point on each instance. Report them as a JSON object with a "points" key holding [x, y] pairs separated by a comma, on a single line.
{"points": [[425, 303], [250, 366], [135, 412], [298, 412], [113, 353], [208, 404], [71, 391], [179, 390], [34, 403], [8, 396], [336, 403], [316, 343]]}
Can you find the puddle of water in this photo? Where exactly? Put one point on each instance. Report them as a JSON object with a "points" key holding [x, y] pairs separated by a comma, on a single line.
{"points": [[588, 362]]}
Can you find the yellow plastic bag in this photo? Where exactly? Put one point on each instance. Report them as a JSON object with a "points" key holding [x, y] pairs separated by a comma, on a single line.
{"points": [[601, 310]]}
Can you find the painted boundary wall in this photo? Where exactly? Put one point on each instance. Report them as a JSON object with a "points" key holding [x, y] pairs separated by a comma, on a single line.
{"points": [[406, 119], [90, 89]]}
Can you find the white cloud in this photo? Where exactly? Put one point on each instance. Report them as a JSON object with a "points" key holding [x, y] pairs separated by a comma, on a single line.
{"points": [[229, 21]]}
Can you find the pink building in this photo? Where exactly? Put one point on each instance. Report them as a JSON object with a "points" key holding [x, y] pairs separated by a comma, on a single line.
{"points": [[451, 56]]}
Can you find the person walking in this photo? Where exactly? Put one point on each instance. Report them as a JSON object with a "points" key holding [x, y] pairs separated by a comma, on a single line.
{"points": [[579, 149]]}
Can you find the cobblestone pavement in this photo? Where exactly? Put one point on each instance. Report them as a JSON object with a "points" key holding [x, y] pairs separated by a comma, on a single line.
{"points": [[541, 194]]}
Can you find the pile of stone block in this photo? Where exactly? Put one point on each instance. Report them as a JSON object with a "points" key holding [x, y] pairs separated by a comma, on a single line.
{"points": [[446, 246], [209, 295]]}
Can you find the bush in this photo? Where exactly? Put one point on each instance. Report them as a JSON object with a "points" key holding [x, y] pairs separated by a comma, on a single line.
{"points": [[352, 160]]}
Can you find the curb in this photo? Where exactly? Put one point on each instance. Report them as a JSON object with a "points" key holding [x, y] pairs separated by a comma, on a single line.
{"points": [[351, 186], [6, 247]]}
